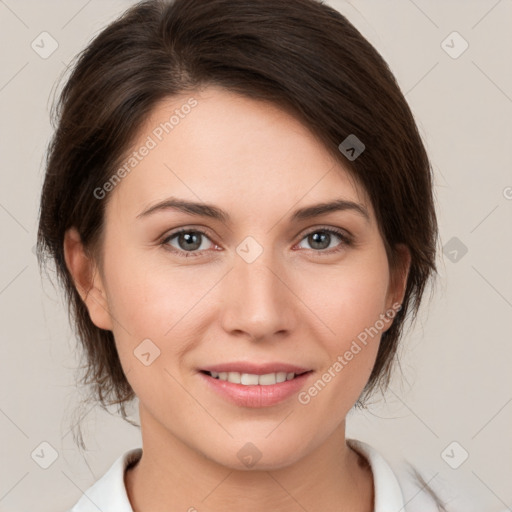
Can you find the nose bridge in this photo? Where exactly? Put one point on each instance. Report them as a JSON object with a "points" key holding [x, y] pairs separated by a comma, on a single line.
{"points": [[257, 302]]}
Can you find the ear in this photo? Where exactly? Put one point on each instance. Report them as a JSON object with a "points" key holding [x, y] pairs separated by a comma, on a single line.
{"points": [[87, 279], [399, 275]]}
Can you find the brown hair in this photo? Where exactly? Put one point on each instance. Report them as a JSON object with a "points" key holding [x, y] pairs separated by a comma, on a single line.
{"points": [[303, 56]]}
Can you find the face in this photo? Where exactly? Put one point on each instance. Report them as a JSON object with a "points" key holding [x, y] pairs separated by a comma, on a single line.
{"points": [[260, 285]]}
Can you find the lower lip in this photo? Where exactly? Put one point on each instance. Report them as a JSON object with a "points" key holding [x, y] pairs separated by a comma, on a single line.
{"points": [[256, 395]]}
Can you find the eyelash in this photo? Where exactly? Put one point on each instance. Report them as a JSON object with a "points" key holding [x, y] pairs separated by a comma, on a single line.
{"points": [[346, 241]]}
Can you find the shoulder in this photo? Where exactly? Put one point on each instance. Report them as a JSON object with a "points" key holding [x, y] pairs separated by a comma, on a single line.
{"points": [[109, 492], [401, 486]]}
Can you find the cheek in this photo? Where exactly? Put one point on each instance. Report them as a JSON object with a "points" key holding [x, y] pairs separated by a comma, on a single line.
{"points": [[350, 300], [153, 310], [158, 301], [347, 298], [149, 293], [351, 309]]}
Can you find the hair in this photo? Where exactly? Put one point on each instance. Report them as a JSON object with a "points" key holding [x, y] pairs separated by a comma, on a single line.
{"points": [[300, 55]]}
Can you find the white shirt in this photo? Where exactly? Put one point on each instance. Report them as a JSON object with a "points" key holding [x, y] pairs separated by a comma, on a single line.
{"points": [[109, 494]]}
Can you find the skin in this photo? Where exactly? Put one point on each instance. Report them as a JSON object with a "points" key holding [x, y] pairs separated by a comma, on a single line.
{"points": [[295, 303]]}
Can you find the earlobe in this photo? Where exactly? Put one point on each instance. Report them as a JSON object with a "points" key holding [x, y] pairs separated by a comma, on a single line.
{"points": [[87, 279]]}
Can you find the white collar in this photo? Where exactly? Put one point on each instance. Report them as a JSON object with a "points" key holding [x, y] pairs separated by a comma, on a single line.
{"points": [[109, 494]]}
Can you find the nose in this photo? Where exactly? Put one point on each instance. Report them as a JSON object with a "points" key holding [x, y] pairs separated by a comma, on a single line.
{"points": [[257, 299]]}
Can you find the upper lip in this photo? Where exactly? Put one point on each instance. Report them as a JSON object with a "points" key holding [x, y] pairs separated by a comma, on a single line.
{"points": [[255, 368]]}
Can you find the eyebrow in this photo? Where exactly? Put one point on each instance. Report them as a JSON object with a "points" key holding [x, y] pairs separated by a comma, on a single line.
{"points": [[209, 210]]}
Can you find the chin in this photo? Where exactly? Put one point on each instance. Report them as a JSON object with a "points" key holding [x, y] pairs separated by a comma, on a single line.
{"points": [[260, 454]]}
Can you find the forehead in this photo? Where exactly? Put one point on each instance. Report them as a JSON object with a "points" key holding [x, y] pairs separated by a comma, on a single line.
{"points": [[217, 146]]}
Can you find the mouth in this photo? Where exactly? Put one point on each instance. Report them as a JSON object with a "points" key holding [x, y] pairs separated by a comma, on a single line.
{"points": [[256, 390], [253, 379]]}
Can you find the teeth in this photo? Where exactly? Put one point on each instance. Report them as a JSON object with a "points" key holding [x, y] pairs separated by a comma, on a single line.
{"points": [[281, 376], [233, 377], [249, 379]]}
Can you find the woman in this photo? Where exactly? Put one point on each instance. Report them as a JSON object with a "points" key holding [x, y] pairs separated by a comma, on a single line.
{"points": [[240, 209]]}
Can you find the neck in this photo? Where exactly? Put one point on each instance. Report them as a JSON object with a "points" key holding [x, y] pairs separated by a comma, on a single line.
{"points": [[172, 476]]}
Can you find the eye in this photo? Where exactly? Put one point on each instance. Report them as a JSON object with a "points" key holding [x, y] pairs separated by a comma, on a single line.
{"points": [[321, 238], [189, 242]]}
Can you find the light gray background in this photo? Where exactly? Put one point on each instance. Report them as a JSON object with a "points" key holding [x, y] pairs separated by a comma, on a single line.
{"points": [[457, 383]]}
